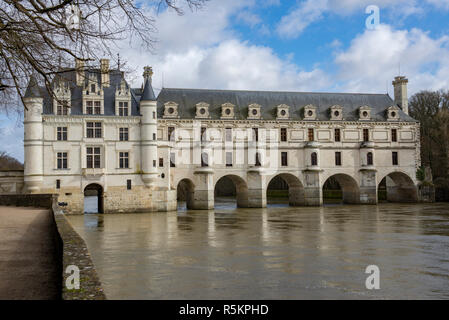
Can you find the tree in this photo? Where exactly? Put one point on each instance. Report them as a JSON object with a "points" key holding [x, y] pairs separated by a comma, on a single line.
{"points": [[431, 109], [44, 37], [9, 163]]}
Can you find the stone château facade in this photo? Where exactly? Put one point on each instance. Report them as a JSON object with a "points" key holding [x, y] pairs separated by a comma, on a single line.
{"points": [[138, 150]]}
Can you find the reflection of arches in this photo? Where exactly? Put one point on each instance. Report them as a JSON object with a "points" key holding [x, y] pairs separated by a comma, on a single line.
{"points": [[238, 184], [93, 198], [350, 192], [399, 187], [288, 181], [185, 192]]}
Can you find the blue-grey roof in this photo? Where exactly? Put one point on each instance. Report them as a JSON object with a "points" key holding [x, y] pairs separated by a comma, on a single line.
{"points": [[115, 78], [148, 93], [269, 100], [33, 90]]}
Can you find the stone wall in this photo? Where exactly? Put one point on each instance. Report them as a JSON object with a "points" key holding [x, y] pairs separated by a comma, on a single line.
{"points": [[28, 200]]}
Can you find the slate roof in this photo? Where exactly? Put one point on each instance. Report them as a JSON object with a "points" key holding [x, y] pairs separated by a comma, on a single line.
{"points": [[148, 93], [269, 100], [188, 98], [115, 78]]}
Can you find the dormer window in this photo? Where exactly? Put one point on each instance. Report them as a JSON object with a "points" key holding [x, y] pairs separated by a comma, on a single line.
{"points": [[123, 108], [170, 110], [202, 110], [393, 113], [62, 108], [61, 102], [310, 112], [364, 113], [254, 111], [93, 107], [336, 112], [282, 112], [92, 88], [227, 111]]}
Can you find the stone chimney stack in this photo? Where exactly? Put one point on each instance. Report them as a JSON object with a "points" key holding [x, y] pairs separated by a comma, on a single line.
{"points": [[400, 93], [79, 67], [104, 66]]}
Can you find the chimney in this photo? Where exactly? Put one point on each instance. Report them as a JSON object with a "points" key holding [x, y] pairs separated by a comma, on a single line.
{"points": [[79, 67], [400, 93], [104, 66]]}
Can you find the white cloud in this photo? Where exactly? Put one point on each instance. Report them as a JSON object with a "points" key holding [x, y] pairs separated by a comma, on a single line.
{"points": [[199, 50], [237, 65], [301, 17], [373, 59], [307, 12]]}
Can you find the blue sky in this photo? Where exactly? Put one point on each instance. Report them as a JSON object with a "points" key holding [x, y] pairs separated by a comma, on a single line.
{"points": [[307, 45]]}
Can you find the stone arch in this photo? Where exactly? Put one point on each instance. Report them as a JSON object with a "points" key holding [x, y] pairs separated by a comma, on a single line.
{"points": [[241, 189], [185, 191], [400, 187], [349, 187], [94, 190], [295, 188]]}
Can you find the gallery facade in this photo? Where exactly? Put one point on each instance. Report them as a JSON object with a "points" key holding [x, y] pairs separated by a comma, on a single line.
{"points": [[137, 151]]}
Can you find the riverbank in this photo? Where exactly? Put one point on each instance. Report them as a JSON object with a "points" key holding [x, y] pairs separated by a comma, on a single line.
{"points": [[37, 244], [30, 265]]}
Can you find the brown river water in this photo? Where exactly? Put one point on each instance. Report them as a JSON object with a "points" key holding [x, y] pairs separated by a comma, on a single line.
{"points": [[279, 252]]}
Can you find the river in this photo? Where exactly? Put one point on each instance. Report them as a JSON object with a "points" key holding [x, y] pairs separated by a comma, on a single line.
{"points": [[279, 252]]}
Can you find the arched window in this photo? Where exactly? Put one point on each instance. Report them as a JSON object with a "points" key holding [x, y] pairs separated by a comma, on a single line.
{"points": [[204, 159], [369, 158], [314, 159]]}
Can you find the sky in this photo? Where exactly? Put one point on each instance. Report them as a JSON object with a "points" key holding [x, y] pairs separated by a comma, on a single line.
{"points": [[307, 45]]}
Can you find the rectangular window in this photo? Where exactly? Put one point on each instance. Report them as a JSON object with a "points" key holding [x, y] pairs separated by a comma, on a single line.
{"points": [[337, 135], [161, 162], [123, 134], [93, 129], [228, 159], [283, 134], [89, 107], [395, 158], [62, 108], [256, 134], [97, 109], [365, 135], [203, 133], [92, 88], [154, 136], [172, 160], [338, 158], [62, 133], [228, 134], [124, 160], [284, 162], [171, 135], [62, 160], [154, 163], [128, 184], [258, 163], [123, 109], [154, 115], [58, 184], [394, 135], [93, 157], [311, 134]]}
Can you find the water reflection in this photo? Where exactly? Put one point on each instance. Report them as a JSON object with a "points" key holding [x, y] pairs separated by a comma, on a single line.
{"points": [[271, 253]]}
